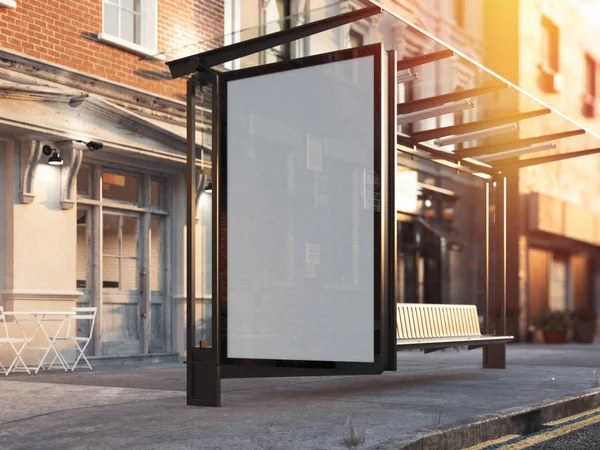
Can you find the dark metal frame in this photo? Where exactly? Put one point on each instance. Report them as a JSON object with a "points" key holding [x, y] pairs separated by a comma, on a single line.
{"points": [[408, 63], [287, 367], [391, 250], [470, 127], [512, 145], [203, 61], [431, 102]]}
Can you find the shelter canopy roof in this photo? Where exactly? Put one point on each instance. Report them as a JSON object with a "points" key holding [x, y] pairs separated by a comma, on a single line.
{"points": [[450, 106]]}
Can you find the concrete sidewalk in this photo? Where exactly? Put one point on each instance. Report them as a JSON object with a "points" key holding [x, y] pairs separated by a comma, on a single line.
{"points": [[143, 407]]}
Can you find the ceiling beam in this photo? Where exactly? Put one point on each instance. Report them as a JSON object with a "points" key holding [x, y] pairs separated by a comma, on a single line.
{"points": [[441, 154], [430, 102], [408, 63], [202, 61], [513, 145], [516, 163], [464, 128]]}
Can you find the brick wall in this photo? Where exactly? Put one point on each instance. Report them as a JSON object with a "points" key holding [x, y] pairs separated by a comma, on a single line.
{"points": [[64, 32]]}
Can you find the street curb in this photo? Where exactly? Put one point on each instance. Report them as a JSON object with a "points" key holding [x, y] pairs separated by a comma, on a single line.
{"points": [[470, 432]]}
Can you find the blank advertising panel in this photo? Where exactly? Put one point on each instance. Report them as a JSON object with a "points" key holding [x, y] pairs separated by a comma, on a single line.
{"points": [[301, 198]]}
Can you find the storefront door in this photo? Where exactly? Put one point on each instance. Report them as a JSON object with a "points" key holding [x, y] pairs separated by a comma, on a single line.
{"points": [[122, 311]]}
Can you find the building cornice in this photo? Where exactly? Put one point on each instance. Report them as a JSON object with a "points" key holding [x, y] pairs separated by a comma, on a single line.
{"points": [[21, 63]]}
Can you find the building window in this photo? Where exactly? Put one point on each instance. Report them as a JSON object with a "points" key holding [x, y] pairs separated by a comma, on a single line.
{"points": [[276, 18], [589, 96], [130, 24], [459, 12], [356, 39], [590, 76], [8, 4], [550, 38]]}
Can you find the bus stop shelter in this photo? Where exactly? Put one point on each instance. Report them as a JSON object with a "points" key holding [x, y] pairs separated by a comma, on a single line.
{"points": [[314, 155]]}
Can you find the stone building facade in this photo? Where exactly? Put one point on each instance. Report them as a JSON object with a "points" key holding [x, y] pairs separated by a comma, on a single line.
{"points": [[107, 227], [550, 49]]}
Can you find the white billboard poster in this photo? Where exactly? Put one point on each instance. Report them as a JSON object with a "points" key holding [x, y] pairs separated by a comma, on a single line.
{"points": [[301, 198]]}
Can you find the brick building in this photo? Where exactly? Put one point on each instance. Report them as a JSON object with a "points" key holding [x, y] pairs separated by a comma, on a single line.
{"points": [[107, 227], [550, 49]]}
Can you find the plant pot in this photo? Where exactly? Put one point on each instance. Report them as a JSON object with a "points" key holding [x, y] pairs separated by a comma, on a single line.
{"points": [[555, 337], [584, 331]]}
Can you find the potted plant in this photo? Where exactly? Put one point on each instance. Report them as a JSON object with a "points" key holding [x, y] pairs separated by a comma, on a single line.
{"points": [[555, 326], [584, 324]]}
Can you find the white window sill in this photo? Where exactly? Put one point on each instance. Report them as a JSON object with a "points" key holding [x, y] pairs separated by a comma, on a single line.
{"points": [[8, 4], [129, 46]]}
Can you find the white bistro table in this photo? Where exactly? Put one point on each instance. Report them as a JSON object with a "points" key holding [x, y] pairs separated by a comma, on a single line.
{"points": [[41, 320]]}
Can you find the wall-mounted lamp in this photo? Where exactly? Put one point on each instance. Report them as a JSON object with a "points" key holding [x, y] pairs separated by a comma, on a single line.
{"points": [[55, 159]]}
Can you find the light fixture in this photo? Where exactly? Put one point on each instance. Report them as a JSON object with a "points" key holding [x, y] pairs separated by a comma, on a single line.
{"points": [[428, 203], [436, 111], [409, 75], [518, 152], [55, 159], [451, 140], [208, 188]]}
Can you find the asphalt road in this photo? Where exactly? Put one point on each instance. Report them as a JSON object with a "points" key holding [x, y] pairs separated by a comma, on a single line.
{"points": [[587, 438]]}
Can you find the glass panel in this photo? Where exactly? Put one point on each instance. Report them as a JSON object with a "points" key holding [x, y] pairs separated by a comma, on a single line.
{"points": [[128, 4], [156, 193], [130, 237], [120, 187], [300, 213], [82, 260], [110, 251], [84, 181], [128, 26], [129, 274], [110, 272], [559, 282], [111, 19], [156, 252], [110, 235], [207, 243]]}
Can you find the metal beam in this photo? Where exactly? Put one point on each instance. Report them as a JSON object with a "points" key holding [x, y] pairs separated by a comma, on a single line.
{"points": [[440, 154], [464, 128], [431, 102], [513, 145], [201, 61], [408, 63], [516, 163]]}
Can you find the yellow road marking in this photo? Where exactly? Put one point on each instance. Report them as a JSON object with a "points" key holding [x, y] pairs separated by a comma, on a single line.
{"points": [[542, 437], [485, 444], [576, 416]]}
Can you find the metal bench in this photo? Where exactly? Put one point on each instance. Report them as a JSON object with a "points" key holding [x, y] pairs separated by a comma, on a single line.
{"points": [[435, 327]]}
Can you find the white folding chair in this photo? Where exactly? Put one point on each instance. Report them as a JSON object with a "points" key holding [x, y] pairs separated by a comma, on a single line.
{"points": [[81, 342], [17, 344]]}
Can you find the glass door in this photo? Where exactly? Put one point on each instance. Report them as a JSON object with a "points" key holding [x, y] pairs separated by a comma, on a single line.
{"points": [[121, 296]]}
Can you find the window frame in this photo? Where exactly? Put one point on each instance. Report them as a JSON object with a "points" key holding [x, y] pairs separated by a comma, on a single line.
{"points": [[11, 4], [550, 45], [148, 34], [591, 77]]}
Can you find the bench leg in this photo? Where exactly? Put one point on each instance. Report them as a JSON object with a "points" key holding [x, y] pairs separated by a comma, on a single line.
{"points": [[494, 356]]}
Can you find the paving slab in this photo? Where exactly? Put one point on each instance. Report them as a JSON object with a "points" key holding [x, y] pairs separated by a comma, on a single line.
{"points": [[287, 413]]}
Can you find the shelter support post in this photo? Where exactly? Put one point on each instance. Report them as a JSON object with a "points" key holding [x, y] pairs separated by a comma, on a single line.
{"points": [[203, 375], [494, 356]]}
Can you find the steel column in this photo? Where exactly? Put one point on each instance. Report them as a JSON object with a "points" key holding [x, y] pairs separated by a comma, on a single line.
{"points": [[494, 356], [203, 377]]}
